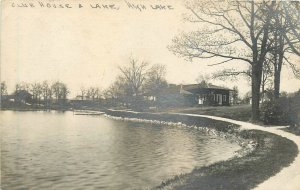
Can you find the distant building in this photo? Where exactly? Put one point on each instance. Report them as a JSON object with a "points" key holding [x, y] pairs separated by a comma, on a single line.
{"points": [[22, 96], [7, 98], [191, 95], [17, 98]]}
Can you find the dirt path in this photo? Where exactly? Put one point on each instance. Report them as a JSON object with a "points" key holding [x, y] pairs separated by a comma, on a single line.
{"points": [[288, 178]]}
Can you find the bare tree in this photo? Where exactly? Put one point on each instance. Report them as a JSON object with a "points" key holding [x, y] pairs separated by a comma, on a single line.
{"points": [[291, 14], [36, 90], [155, 79], [93, 93], [60, 91], [22, 86], [134, 75], [99, 92], [114, 91], [46, 91], [64, 91], [247, 98], [117, 92], [3, 88], [135, 79], [233, 31], [83, 92], [232, 74], [285, 43], [235, 95], [267, 74], [55, 87]]}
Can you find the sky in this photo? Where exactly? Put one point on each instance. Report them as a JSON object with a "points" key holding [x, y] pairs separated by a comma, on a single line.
{"points": [[85, 46]]}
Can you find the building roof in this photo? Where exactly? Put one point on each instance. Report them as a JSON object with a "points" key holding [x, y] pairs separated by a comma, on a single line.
{"points": [[188, 89], [7, 97], [22, 92], [208, 86]]}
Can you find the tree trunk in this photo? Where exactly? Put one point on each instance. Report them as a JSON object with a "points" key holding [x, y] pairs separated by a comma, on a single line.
{"points": [[256, 83], [279, 51], [277, 70], [263, 91], [276, 83], [277, 73]]}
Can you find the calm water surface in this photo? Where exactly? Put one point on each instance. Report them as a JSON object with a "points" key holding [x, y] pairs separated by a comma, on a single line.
{"points": [[52, 150]]}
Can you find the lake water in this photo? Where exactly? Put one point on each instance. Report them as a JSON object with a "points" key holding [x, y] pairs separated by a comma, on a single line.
{"points": [[52, 150]]}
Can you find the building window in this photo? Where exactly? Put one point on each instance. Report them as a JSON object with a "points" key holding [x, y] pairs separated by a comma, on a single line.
{"points": [[224, 98]]}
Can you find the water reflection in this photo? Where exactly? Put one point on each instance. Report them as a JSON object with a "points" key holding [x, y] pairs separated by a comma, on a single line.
{"points": [[50, 150]]}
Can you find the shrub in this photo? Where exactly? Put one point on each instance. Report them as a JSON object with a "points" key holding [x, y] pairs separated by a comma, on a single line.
{"points": [[282, 111]]}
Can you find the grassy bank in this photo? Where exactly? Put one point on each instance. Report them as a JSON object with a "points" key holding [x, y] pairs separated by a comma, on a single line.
{"points": [[270, 156], [294, 130], [188, 120], [239, 112]]}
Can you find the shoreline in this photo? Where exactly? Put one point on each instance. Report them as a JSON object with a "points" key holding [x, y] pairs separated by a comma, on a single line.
{"points": [[273, 153]]}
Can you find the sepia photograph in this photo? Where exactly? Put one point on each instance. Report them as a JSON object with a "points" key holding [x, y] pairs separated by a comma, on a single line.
{"points": [[150, 94]]}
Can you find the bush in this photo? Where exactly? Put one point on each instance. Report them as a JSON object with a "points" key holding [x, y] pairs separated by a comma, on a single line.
{"points": [[282, 111]]}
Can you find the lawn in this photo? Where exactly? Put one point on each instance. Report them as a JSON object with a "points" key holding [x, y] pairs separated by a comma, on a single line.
{"points": [[238, 112]]}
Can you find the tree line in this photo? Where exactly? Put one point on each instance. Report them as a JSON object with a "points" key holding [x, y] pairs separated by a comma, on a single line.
{"points": [[41, 91], [135, 78]]}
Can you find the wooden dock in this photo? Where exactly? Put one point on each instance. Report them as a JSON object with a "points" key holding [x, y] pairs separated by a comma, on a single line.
{"points": [[87, 112]]}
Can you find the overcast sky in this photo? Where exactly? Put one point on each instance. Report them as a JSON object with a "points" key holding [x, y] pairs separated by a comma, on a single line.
{"points": [[84, 46]]}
